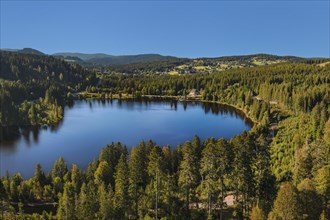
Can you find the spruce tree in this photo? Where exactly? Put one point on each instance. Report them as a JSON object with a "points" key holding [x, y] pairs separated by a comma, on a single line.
{"points": [[106, 210], [137, 175], [66, 204], [121, 188], [287, 204], [189, 172]]}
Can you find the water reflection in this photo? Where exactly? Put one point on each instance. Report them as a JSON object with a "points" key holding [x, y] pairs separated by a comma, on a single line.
{"points": [[88, 126], [11, 134]]}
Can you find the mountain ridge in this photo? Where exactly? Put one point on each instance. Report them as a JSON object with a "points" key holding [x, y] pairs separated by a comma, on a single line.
{"points": [[102, 59]]}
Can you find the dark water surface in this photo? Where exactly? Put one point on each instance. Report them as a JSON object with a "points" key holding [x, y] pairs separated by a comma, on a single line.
{"points": [[89, 125]]}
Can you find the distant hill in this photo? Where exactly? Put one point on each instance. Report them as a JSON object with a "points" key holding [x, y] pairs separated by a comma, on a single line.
{"points": [[142, 58], [151, 63], [25, 51], [204, 65], [73, 59], [105, 59], [248, 58], [27, 68], [82, 56], [30, 51]]}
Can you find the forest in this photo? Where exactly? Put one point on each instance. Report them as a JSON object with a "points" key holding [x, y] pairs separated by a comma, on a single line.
{"points": [[278, 170], [33, 88]]}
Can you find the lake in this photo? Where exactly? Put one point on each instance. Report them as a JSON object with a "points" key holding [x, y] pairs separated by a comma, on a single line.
{"points": [[88, 126]]}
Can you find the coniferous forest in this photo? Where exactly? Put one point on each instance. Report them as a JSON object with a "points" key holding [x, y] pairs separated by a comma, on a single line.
{"points": [[279, 170]]}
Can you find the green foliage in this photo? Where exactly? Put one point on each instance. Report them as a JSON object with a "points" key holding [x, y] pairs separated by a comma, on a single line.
{"points": [[39, 175], [88, 204], [308, 196], [191, 180], [242, 174], [257, 214], [27, 78], [106, 201], [214, 166], [121, 188], [153, 181], [138, 175], [287, 204], [66, 206], [322, 183], [102, 173], [59, 169], [189, 172]]}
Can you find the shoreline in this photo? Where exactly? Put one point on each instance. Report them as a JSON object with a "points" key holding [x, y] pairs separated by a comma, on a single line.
{"points": [[96, 96]]}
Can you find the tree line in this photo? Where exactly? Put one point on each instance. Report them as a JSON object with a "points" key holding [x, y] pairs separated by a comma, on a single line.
{"points": [[189, 181]]}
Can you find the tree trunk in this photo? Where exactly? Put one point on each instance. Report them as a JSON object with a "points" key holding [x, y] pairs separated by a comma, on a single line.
{"points": [[157, 194], [136, 203]]}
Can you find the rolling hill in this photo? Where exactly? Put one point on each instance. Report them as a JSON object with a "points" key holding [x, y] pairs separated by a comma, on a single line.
{"points": [[105, 59], [25, 51]]}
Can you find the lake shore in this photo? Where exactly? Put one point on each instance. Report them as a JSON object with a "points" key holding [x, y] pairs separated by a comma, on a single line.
{"points": [[93, 96]]}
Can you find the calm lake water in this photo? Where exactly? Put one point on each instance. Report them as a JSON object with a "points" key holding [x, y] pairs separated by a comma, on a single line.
{"points": [[89, 125]]}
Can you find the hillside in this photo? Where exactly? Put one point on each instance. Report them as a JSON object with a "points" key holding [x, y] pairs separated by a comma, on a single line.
{"points": [[105, 59], [156, 63], [25, 51], [33, 88], [28, 76], [82, 56], [205, 65], [141, 58]]}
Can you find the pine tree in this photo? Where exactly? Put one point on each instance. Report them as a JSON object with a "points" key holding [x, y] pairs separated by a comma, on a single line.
{"points": [[287, 204], [189, 172], [39, 175], [111, 154], [265, 190], [156, 172], [303, 165], [242, 175], [59, 169], [257, 214], [121, 188], [3, 197], [76, 177], [214, 165], [103, 174], [32, 115], [66, 204], [106, 210], [137, 175], [322, 185], [310, 206], [88, 204]]}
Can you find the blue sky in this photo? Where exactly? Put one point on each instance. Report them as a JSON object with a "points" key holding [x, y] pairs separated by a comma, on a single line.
{"points": [[179, 28]]}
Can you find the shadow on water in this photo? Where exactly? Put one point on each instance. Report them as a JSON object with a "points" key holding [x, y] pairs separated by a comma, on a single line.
{"points": [[10, 135]]}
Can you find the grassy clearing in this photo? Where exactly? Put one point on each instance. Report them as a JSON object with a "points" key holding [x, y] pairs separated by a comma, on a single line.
{"points": [[223, 66], [323, 64], [257, 62], [200, 67], [173, 73], [182, 66]]}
